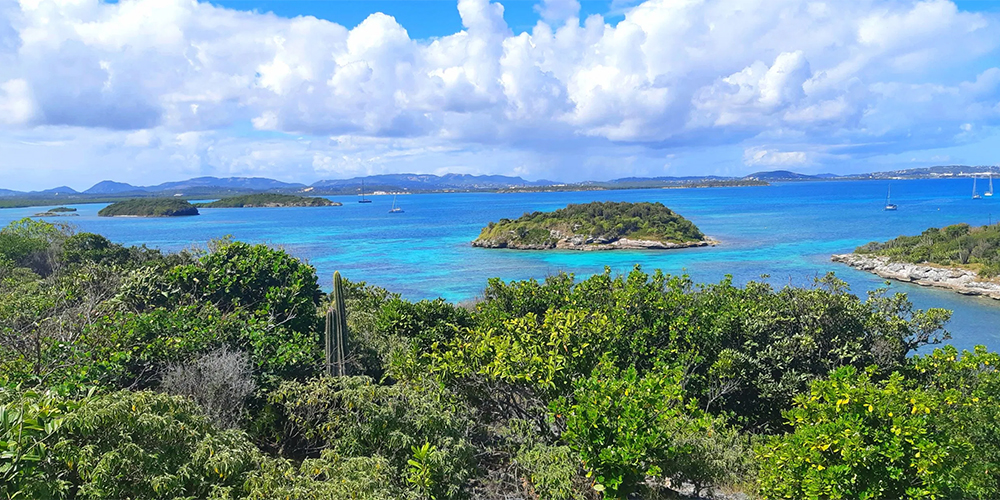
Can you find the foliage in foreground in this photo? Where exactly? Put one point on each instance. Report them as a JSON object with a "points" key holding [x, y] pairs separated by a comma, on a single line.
{"points": [[924, 437], [128, 373]]}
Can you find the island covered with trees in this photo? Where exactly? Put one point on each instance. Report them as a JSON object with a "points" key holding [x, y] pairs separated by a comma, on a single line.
{"points": [[57, 212], [960, 257], [149, 207], [269, 200], [595, 226], [126, 372]]}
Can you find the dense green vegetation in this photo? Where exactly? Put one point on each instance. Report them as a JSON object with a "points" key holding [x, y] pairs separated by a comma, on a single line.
{"points": [[957, 245], [57, 211], [269, 200], [129, 373], [595, 222], [149, 207]]}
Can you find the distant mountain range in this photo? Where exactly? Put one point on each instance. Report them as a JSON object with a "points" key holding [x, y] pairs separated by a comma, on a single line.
{"points": [[430, 182], [215, 186], [229, 183]]}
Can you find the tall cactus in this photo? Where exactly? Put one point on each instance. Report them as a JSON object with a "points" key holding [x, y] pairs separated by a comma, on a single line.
{"points": [[336, 331]]}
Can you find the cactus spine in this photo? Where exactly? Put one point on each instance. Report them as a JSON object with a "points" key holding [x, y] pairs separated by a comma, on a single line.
{"points": [[336, 331]]}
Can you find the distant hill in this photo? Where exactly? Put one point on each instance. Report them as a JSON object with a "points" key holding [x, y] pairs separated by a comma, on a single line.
{"points": [[428, 182], [10, 192], [227, 183], [780, 175], [112, 187], [58, 190]]}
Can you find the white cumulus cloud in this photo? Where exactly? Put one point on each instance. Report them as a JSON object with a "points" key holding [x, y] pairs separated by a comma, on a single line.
{"points": [[856, 78]]}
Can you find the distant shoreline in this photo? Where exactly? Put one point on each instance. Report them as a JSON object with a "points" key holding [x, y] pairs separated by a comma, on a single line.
{"points": [[25, 202]]}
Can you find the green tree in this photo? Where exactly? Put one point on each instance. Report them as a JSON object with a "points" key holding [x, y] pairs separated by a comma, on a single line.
{"points": [[856, 437]]}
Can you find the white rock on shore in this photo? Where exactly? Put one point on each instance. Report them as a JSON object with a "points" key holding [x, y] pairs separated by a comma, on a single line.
{"points": [[962, 281]]}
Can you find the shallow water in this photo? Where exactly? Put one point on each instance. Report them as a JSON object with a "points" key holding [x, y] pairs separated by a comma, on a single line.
{"points": [[787, 231]]}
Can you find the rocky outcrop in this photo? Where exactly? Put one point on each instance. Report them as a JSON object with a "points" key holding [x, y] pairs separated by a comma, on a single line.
{"points": [[962, 281]]}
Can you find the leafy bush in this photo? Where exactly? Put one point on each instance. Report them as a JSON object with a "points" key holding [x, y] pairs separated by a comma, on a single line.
{"points": [[30, 424], [328, 477], [358, 418], [270, 283], [120, 445], [855, 437], [32, 244], [554, 472], [626, 427], [752, 348], [94, 248]]}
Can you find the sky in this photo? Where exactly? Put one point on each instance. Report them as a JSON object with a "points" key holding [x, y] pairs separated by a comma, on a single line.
{"points": [[148, 91]]}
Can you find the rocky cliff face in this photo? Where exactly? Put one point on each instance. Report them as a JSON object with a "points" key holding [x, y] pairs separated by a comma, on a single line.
{"points": [[961, 281]]}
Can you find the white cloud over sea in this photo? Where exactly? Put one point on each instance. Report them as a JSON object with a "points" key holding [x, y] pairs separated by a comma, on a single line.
{"points": [[152, 90]]}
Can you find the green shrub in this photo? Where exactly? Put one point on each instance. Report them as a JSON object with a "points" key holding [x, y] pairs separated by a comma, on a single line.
{"points": [[270, 283], [554, 472], [626, 427], [30, 425], [119, 445], [357, 418], [855, 437], [33, 244], [752, 348]]}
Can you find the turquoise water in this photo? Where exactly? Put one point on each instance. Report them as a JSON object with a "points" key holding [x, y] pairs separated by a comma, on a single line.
{"points": [[786, 231]]}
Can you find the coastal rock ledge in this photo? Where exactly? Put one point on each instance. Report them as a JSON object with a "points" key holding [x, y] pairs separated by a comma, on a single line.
{"points": [[962, 281]]}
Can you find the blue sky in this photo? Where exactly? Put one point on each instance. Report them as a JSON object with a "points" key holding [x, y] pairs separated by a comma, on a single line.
{"points": [[146, 91], [425, 18]]}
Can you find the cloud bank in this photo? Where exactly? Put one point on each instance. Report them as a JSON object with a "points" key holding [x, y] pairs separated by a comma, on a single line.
{"points": [[170, 88]]}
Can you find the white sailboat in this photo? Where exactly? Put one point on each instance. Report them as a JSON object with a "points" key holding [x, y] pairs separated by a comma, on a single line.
{"points": [[395, 209], [975, 195], [363, 199], [888, 204], [990, 192]]}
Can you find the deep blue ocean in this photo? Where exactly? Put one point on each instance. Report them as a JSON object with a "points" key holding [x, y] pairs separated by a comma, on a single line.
{"points": [[787, 231]]}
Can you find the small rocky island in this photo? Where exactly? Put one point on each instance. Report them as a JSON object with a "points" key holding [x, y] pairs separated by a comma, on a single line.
{"points": [[595, 226], [149, 207], [269, 200], [960, 258], [58, 212]]}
